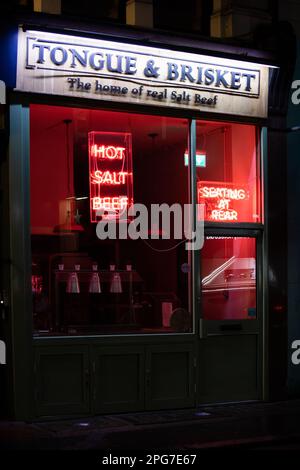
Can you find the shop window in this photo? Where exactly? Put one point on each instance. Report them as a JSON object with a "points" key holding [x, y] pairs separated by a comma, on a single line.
{"points": [[228, 278], [228, 177], [85, 161]]}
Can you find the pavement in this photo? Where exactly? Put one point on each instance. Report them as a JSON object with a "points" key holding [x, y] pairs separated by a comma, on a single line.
{"points": [[267, 426]]}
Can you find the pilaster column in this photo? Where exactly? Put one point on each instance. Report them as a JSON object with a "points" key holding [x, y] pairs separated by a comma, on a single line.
{"points": [[139, 13]]}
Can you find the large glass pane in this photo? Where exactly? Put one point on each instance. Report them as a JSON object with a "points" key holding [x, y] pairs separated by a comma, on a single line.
{"points": [[228, 180], [228, 272], [83, 161]]}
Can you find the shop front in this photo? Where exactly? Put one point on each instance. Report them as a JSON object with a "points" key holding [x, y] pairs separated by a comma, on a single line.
{"points": [[100, 124]]}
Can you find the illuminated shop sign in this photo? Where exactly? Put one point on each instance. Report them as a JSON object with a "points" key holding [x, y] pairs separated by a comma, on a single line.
{"points": [[200, 159], [107, 70], [224, 202], [111, 180]]}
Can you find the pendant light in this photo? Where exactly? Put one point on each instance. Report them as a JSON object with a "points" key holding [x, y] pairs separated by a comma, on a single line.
{"points": [[72, 223]]}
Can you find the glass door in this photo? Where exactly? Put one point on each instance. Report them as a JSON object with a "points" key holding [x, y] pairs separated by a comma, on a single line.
{"points": [[231, 314], [230, 262], [228, 279]]}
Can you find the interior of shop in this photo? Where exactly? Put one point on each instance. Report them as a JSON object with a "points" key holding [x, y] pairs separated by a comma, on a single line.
{"points": [[85, 159]]}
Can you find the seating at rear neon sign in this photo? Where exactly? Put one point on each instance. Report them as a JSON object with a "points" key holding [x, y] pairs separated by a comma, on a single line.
{"points": [[222, 202]]}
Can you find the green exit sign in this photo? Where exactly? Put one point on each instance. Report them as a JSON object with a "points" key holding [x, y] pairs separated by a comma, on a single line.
{"points": [[200, 159]]}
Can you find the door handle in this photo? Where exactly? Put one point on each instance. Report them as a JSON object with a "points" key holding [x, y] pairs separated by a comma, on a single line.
{"points": [[231, 327], [87, 377], [3, 304], [201, 328], [148, 377]]}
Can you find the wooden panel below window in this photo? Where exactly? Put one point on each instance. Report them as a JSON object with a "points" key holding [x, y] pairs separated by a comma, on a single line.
{"points": [[62, 380], [170, 382], [118, 379]]}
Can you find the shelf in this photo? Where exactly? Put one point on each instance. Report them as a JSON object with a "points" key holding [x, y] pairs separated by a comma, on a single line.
{"points": [[105, 276]]}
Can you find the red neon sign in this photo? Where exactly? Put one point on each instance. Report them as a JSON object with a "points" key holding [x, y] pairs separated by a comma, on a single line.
{"points": [[108, 203], [108, 151], [223, 202], [111, 179]]}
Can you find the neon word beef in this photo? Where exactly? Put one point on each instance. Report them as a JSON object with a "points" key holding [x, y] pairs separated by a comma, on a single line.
{"points": [[109, 203]]}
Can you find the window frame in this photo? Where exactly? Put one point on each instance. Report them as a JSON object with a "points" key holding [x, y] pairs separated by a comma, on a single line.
{"points": [[21, 118]]}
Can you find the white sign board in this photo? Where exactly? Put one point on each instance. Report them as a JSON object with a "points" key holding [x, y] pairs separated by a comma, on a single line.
{"points": [[81, 67]]}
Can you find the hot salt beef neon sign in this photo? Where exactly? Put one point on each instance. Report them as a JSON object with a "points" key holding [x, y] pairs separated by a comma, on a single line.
{"points": [[223, 201], [111, 179]]}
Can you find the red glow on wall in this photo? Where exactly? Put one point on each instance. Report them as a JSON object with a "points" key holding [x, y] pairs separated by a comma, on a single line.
{"points": [[224, 202], [111, 179]]}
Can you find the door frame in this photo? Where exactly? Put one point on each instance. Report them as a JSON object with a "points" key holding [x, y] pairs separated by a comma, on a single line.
{"points": [[260, 232], [20, 262]]}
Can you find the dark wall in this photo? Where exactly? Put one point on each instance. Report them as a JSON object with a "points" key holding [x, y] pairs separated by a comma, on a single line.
{"points": [[293, 226]]}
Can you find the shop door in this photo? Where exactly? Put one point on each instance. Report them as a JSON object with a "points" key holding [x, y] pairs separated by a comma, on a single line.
{"points": [[230, 324]]}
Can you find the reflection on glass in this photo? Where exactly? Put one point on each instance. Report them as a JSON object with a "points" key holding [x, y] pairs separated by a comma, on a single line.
{"points": [[73, 283], [95, 287], [116, 285], [228, 268]]}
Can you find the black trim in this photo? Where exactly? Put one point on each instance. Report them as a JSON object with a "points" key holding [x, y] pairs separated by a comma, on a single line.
{"points": [[16, 97], [230, 48]]}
